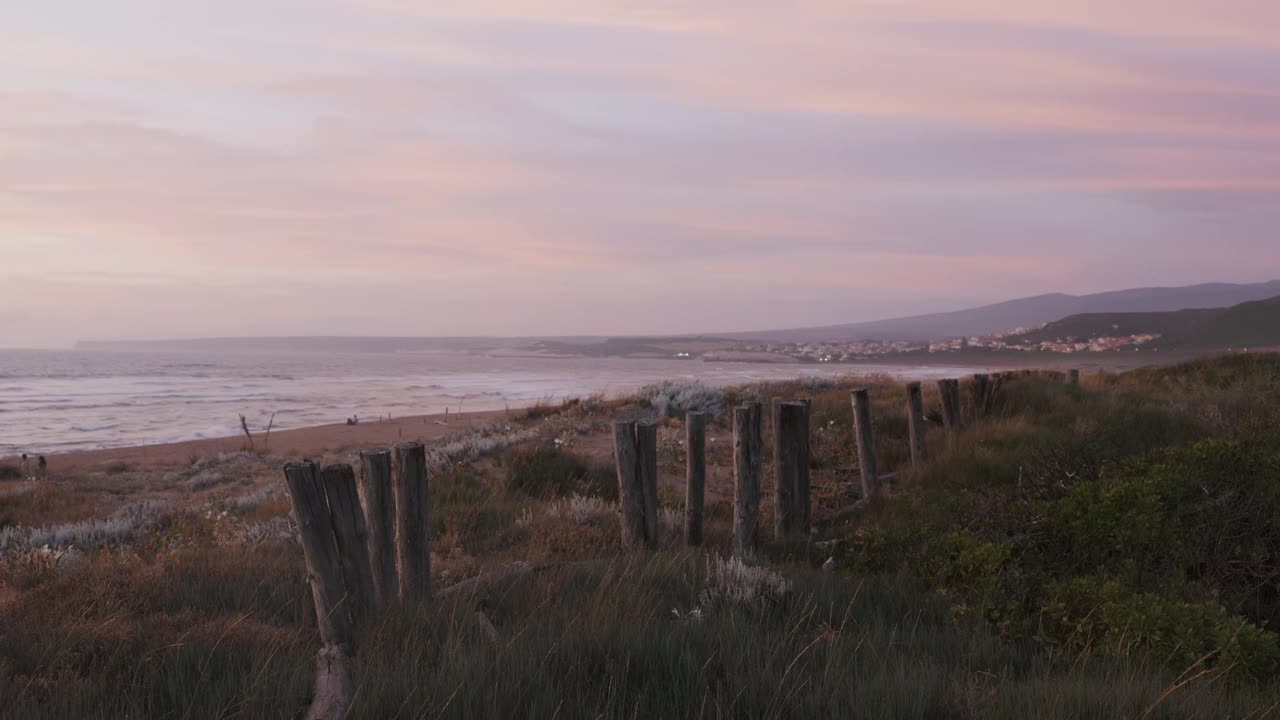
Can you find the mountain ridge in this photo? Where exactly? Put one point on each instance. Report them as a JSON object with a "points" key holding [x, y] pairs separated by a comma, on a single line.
{"points": [[1002, 317], [1255, 323], [1027, 312]]}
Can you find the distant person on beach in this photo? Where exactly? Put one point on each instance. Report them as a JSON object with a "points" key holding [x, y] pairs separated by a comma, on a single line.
{"points": [[42, 468], [26, 467]]}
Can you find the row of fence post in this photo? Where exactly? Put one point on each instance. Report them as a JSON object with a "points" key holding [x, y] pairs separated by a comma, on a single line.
{"points": [[359, 558], [635, 452], [362, 557]]}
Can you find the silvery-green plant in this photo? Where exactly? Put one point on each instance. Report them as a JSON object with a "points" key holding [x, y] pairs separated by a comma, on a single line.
{"points": [[582, 510], [732, 582], [674, 398], [120, 526]]}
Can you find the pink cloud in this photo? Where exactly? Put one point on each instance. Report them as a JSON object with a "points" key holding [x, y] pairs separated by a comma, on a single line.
{"points": [[544, 152]]}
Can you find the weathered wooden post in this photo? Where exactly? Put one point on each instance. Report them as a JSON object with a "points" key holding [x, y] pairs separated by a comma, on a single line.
{"points": [[949, 393], [375, 471], [695, 437], [865, 440], [997, 383], [981, 386], [915, 423], [630, 493], [1073, 376], [352, 536], [947, 421], [647, 473], [412, 534], [747, 455], [757, 451], [790, 428], [320, 551]]}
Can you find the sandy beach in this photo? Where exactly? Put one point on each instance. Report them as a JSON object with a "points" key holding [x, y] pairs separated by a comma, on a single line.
{"points": [[318, 439], [296, 442]]}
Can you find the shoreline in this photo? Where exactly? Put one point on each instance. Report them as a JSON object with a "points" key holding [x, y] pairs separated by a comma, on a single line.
{"points": [[317, 438], [293, 441]]}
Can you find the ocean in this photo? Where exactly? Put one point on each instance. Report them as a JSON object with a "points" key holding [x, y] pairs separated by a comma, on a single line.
{"points": [[59, 401]]}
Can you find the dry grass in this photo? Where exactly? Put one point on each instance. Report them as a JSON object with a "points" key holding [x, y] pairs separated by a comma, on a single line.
{"points": [[207, 614], [32, 503]]}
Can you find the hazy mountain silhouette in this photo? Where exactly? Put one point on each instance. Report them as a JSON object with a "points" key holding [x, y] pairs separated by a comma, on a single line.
{"points": [[1027, 312], [1251, 324], [1030, 312]]}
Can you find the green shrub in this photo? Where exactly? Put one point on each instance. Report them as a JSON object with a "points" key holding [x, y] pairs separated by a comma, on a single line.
{"points": [[1175, 552], [1143, 517], [1107, 617]]}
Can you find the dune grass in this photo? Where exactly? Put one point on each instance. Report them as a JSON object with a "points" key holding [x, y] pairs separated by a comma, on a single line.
{"points": [[218, 636], [935, 610]]}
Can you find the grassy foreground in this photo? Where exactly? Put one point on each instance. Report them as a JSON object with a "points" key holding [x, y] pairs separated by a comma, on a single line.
{"points": [[1104, 551]]}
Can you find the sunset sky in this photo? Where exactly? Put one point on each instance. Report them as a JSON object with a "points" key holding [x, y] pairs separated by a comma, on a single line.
{"points": [[171, 168]]}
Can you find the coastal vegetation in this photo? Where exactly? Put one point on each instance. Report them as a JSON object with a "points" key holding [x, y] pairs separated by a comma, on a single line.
{"points": [[1102, 550]]}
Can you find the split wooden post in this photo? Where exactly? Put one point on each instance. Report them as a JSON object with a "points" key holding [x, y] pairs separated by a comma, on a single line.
{"points": [[915, 423], [981, 386], [757, 448], [804, 455], [647, 473], [695, 443], [1073, 376], [747, 455], [630, 493], [790, 426], [783, 481], [412, 533], [352, 536], [953, 388], [865, 440], [320, 551], [380, 507]]}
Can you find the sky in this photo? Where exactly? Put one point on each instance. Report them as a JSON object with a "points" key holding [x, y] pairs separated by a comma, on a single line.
{"points": [[171, 168]]}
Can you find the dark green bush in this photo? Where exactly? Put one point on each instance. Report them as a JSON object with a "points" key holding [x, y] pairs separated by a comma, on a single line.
{"points": [[1110, 617], [1141, 518], [1176, 552]]}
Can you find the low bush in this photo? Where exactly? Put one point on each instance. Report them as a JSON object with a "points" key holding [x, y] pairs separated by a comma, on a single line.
{"points": [[672, 398], [1102, 522]]}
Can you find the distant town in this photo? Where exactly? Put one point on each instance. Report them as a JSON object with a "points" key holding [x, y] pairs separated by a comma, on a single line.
{"points": [[855, 350]]}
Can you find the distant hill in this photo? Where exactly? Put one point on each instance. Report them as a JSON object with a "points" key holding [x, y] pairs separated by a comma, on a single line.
{"points": [[1030, 312], [1251, 324], [1027, 312]]}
